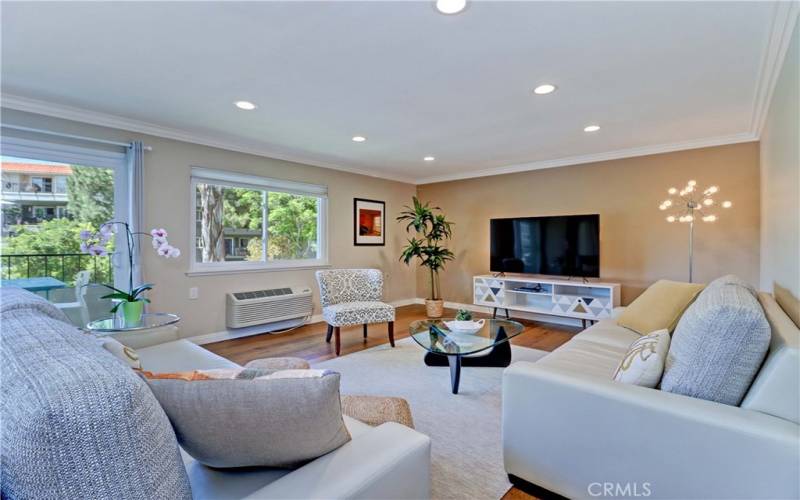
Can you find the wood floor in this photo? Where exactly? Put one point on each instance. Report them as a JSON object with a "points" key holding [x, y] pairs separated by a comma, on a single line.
{"points": [[308, 342]]}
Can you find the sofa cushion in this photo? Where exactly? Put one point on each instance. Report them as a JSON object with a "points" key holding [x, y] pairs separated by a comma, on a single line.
{"points": [[214, 484], [607, 331], [77, 423], [643, 364], [659, 307], [585, 358], [719, 344], [180, 355], [244, 417]]}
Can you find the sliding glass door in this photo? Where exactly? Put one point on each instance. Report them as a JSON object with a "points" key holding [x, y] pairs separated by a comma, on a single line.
{"points": [[50, 193]]}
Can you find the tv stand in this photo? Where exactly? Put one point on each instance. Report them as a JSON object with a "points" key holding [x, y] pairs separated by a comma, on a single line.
{"points": [[546, 295]]}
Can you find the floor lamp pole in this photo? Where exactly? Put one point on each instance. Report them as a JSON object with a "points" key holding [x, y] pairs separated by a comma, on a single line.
{"points": [[685, 204], [691, 247]]}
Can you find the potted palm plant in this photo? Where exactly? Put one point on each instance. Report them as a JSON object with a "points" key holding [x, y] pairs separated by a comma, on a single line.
{"points": [[432, 229]]}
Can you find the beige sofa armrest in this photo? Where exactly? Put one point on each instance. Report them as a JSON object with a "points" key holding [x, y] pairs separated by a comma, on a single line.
{"points": [[147, 338], [565, 431]]}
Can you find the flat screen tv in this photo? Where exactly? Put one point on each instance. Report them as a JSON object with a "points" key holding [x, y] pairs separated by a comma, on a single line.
{"points": [[566, 245]]}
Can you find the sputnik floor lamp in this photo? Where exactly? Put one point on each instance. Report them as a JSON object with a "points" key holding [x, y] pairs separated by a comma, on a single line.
{"points": [[689, 203]]}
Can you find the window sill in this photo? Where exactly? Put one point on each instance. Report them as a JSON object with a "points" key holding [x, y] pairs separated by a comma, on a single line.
{"points": [[257, 269]]}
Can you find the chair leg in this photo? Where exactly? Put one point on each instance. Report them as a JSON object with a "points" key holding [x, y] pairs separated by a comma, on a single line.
{"points": [[391, 333], [336, 334], [365, 330], [329, 334]]}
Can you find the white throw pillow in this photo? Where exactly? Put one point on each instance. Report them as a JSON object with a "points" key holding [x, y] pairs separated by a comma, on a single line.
{"points": [[643, 364], [121, 352]]}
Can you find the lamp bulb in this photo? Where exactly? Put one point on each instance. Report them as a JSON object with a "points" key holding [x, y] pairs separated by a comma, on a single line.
{"points": [[668, 203], [692, 183], [689, 189], [671, 218], [709, 218], [672, 190], [712, 189], [727, 204], [689, 218], [708, 202]]}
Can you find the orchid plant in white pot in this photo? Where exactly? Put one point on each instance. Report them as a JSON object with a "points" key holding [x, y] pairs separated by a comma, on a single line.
{"points": [[96, 243]]}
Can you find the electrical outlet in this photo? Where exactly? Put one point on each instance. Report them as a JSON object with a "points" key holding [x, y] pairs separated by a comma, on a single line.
{"points": [[194, 293]]}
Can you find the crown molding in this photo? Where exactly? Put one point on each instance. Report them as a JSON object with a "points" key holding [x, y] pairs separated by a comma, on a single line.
{"points": [[64, 112], [783, 22], [597, 157]]}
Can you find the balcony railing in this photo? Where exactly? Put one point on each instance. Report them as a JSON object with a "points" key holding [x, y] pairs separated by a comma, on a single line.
{"points": [[27, 187], [62, 266]]}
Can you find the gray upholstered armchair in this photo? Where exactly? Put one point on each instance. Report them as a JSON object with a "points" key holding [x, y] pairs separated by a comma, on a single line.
{"points": [[353, 297]]}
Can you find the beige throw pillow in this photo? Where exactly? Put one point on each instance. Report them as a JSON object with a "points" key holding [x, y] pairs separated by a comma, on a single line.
{"points": [[643, 364], [659, 307], [247, 417], [121, 352]]}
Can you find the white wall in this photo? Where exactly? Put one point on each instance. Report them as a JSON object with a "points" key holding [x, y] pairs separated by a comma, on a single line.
{"points": [[780, 179], [166, 204]]}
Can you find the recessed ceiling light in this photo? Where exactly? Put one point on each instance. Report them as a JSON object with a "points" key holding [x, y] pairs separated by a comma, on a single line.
{"points": [[245, 105], [450, 6], [429, 158], [591, 128], [544, 89], [359, 138]]}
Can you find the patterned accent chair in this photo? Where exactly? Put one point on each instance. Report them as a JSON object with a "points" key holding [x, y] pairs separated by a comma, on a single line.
{"points": [[353, 297]]}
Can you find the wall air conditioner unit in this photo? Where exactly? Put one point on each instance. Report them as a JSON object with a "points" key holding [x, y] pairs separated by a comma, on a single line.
{"points": [[267, 306]]}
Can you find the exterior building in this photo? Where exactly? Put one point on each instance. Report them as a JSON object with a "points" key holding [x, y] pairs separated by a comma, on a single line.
{"points": [[33, 192]]}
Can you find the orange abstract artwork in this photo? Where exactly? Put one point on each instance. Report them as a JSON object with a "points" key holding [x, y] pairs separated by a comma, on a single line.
{"points": [[369, 222]]}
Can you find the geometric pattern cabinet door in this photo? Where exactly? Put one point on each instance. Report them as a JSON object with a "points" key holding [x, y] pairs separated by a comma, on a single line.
{"points": [[583, 307], [489, 292]]}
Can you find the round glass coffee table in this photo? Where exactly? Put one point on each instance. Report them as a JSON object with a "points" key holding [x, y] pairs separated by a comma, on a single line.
{"points": [[446, 348]]}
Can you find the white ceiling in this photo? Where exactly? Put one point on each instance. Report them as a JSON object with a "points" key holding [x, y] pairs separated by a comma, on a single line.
{"points": [[656, 76]]}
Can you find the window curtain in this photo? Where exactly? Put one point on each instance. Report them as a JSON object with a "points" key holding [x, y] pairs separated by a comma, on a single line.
{"points": [[136, 203]]}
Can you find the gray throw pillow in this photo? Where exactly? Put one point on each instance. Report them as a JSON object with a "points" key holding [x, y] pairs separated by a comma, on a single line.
{"points": [[719, 344], [246, 417]]}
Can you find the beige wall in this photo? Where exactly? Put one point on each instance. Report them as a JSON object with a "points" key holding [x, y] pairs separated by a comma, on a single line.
{"points": [[780, 179], [167, 170], [637, 245]]}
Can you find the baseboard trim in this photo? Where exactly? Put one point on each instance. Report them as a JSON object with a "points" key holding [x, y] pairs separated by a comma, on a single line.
{"points": [[533, 490], [544, 318], [274, 328]]}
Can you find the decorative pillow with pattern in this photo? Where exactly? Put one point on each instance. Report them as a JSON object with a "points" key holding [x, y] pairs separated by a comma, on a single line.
{"points": [[643, 364], [121, 352], [247, 417]]}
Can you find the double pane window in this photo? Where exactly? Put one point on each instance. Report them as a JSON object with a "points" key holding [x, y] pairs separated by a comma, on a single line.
{"points": [[243, 222]]}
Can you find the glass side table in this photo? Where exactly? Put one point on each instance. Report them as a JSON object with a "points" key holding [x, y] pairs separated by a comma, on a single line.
{"points": [[110, 326]]}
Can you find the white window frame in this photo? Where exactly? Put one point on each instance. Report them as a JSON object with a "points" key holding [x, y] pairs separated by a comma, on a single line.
{"points": [[77, 155], [203, 175]]}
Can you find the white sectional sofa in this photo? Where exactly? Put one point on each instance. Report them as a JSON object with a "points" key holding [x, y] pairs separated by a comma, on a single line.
{"points": [[78, 423], [570, 429], [388, 461]]}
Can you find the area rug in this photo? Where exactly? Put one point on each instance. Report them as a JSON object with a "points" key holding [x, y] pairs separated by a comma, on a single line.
{"points": [[467, 456]]}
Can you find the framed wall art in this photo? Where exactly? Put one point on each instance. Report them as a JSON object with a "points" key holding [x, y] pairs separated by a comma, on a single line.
{"points": [[369, 222]]}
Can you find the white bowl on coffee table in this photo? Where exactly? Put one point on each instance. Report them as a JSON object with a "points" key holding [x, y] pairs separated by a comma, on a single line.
{"points": [[465, 327]]}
